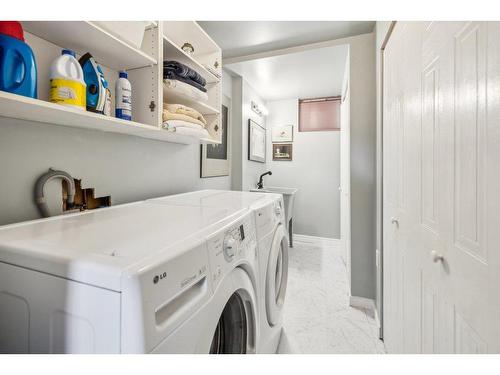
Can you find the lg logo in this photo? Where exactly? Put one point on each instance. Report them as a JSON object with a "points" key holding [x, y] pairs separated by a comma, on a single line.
{"points": [[159, 277]]}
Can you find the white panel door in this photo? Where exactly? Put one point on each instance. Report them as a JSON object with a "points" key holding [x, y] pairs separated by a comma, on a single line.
{"points": [[402, 259], [393, 249], [443, 188]]}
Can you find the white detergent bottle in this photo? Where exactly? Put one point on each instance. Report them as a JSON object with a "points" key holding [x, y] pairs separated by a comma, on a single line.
{"points": [[123, 95], [67, 86]]}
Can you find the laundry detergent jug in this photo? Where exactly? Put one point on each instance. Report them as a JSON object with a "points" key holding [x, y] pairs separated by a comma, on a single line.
{"points": [[67, 84], [17, 63]]}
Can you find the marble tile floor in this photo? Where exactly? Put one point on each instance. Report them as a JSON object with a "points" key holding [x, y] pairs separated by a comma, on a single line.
{"points": [[317, 316]]}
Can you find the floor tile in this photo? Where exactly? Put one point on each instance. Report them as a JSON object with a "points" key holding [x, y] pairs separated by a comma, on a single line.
{"points": [[317, 316]]}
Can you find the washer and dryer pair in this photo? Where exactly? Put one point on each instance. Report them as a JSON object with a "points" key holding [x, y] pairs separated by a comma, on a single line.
{"points": [[178, 274], [272, 240]]}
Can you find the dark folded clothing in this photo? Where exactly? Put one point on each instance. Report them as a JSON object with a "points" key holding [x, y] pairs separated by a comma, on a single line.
{"points": [[183, 71], [171, 75]]}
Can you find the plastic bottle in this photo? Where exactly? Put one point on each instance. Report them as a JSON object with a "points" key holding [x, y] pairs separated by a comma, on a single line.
{"points": [[123, 95], [18, 73], [67, 86]]}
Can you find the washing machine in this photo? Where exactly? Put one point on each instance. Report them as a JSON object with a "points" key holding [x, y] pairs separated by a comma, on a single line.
{"points": [[136, 278], [268, 210]]}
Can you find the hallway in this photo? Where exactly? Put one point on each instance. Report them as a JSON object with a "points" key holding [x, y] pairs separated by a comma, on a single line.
{"points": [[317, 315]]}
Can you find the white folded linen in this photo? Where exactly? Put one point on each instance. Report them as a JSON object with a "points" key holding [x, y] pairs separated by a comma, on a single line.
{"points": [[174, 87], [198, 133], [173, 124], [186, 128]]}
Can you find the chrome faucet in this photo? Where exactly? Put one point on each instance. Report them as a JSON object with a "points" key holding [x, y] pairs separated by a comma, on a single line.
{"points": [[260, 184]]}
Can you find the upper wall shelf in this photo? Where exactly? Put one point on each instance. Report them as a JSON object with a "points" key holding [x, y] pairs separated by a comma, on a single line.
{"points": [[46, 39], [85, 36], [21, 107]]}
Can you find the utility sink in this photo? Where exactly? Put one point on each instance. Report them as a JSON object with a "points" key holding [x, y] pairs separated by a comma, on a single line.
{"points": [[288, 200]]}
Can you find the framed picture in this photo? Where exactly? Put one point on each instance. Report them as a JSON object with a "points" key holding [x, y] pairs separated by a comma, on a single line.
{"points": [[256, 142], [282, 133], [215, 159], [282, 151]]}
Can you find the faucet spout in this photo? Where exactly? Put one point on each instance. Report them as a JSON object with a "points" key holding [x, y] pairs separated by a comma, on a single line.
{"points": [[260, 184]]}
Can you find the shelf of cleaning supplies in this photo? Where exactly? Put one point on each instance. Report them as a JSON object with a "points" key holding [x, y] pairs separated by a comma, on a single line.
{"points": [[24, 108], [172, 52], [172, 97], [85, 36]]}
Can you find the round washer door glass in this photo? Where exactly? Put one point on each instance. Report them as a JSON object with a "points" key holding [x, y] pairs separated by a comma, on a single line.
{"points": [[230, 335], [277, 275]]}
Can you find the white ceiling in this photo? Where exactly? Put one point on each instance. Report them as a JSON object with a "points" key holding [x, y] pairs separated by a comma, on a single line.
{"points": [[240, 38], [307, 74]]}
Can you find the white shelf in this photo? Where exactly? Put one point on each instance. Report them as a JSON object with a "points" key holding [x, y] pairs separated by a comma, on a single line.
{"points": [[24, 108], [172, 52], [84, 36], [171, 97]]}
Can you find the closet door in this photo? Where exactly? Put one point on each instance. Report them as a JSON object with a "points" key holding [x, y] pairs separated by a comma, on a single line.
{"points": [[392, 275], [468, 255], [402, 260], [445, 254]]}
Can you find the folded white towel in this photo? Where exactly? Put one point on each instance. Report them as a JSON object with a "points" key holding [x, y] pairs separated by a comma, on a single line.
{"points": [[198, 133], [173, 88], [173, 124], [186, 128]]}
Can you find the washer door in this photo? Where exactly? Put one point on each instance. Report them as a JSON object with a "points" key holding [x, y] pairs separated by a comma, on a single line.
{"points": [[235, 332], [277, 275]]}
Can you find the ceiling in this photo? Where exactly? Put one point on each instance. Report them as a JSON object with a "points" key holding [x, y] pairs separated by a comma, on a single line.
{"points": [[308, 74], [240, 38]]}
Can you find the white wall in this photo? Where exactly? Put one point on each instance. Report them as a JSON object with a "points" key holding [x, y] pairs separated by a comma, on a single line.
{"points": [[363, 171], [245, 173], [345, 170], [251, 169], [314, 170], [125, 167]]}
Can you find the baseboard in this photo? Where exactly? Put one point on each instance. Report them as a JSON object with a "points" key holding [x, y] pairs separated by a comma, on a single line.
{"points": [[365, 303], [325, 241]]}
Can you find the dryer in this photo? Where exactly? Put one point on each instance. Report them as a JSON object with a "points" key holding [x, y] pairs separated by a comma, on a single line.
{"points": [[273, 269], [136, 278]]}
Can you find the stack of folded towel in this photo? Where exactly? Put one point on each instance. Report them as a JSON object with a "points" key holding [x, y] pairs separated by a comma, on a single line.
{"points": [[184, 120], [174, 88], [175, 70]]}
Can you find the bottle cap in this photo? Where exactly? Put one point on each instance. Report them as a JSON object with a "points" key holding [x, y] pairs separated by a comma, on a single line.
{"points": [[13, 29], [68, 52], [123, 74]]}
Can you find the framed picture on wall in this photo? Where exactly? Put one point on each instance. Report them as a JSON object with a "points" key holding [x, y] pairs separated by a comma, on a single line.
{"points": [[282, 151], [283, 133], [215, 160], [256, 142]]}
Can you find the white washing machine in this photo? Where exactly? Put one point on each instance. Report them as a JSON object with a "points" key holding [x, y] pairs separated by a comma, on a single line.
{"points": [[137, 278], [273, 251]]}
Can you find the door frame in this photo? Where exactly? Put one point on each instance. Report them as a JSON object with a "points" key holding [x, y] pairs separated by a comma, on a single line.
{"points": [[380, 184]]}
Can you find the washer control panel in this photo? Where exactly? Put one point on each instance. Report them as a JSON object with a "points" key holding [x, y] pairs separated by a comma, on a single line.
{"points": [[234, 243]]}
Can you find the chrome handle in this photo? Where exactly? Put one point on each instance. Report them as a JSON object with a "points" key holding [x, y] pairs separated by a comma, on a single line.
{"points": [[395, 221], [436, 257]]}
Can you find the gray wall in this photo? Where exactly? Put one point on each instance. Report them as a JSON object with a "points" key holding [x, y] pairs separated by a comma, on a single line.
{"points": [[363, 165], [251, 169], [314, 170], [245, 173], [128, 168]]}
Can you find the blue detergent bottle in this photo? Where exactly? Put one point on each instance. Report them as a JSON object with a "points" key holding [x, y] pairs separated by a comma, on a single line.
{"points": [[18, 73]]}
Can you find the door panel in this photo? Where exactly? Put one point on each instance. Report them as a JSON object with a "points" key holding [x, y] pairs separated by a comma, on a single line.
{"points": [[441, 157]]}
